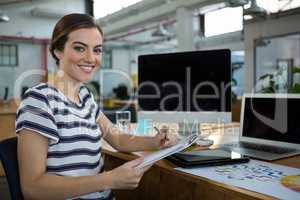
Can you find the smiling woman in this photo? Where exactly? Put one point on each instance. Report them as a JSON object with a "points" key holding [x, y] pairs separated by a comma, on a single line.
{"points": [[60, 126]]}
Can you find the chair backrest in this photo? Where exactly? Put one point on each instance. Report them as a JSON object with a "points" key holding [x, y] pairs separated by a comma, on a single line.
{"points": [[8, 156]]}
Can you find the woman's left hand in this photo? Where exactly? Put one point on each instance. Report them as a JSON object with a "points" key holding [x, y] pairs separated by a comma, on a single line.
{"points": [[164, 139]]}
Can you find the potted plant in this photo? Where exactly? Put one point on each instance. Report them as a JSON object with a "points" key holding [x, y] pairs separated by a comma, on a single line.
{"points": [[271, 85], [296, 86]]}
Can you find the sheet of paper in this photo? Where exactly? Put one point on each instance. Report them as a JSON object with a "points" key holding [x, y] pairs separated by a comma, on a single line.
{"points": [[158, 155], [258, 176]]}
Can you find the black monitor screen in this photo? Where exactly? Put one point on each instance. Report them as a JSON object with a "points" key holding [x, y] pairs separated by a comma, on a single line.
{"points": [[274, 119], [186, 81]]}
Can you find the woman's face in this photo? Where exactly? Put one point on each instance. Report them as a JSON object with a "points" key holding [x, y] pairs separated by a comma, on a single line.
{"points": [[82, 54]]}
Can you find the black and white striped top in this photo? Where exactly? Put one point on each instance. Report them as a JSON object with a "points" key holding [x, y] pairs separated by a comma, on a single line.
{"points": [[72, 129]]}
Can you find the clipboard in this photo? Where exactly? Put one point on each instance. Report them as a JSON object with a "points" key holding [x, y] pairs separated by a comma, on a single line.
{"points": [[158, 155]]}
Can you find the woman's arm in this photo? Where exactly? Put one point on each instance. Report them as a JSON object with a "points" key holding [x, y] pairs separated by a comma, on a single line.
{"points": [[36, 183], [131, 143]]}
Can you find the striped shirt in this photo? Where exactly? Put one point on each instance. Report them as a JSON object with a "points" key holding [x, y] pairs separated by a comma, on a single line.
{"points": [[74, 135]]}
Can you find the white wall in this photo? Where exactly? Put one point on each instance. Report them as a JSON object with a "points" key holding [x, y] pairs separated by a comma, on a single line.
{"points": [[23, 24], [29, 59], [119, 74]]}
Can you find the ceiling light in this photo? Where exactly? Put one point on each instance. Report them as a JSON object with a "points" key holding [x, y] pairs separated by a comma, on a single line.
{"points": [[160, 31], [254, 9], [3, 17], [47, 13], [237, 3], [262, 42], [212, 7]]}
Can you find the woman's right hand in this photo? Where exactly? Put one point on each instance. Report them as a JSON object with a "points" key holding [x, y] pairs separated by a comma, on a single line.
{"points": [[127, 176]]}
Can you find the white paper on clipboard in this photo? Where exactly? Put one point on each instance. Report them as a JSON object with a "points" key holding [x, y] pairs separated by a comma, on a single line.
{"points": [[158, 155]]}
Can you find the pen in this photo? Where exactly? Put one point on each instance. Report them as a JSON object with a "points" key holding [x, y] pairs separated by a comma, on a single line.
{"points": [[158, 131]]}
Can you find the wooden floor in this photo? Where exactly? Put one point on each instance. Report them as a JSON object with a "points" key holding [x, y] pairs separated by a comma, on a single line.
{"points": [[4, 193]]}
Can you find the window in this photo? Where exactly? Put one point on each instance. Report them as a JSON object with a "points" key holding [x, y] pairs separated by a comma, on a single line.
{"points": [[237, 60], [223, 21], [8, 55], [107, 59], [278, 5]]}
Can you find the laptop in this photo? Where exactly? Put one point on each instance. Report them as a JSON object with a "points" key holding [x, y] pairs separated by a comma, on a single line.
{"points": [[269, 127]]}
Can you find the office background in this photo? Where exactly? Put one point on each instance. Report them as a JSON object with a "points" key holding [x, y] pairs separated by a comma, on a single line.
{"points": [[260, 42], [263, 36]]}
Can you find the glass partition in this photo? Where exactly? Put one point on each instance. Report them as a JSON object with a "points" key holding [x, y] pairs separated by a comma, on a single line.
{"points": [[277, 64]]}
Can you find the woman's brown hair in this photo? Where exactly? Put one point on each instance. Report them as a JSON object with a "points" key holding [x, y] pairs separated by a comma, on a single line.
{"points": [[65, 26]]}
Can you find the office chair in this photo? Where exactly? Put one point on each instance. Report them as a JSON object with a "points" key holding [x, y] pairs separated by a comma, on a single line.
{"points": [[8, 156], [6, 90]]}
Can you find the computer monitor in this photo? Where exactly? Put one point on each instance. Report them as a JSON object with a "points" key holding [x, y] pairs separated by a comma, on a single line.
{"points": [[186, 86]]}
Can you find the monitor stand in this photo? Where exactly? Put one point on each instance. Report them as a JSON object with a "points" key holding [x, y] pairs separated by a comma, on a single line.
{"points": [[191, 117], [188, 122]]}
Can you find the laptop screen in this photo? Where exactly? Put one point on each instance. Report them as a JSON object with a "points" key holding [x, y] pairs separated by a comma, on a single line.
{"points": [[276, 119]]}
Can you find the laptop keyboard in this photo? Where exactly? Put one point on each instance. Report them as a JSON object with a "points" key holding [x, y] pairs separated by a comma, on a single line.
{"points": [[260, 147]]}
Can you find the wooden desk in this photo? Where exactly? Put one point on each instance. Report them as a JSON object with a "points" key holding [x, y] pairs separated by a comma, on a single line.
{"points": [[7, 127], [162, 182], [7, 123]]}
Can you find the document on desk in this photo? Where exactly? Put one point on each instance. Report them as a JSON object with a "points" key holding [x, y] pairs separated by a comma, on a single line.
{"points": [[158, 155], [257, 176]]}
